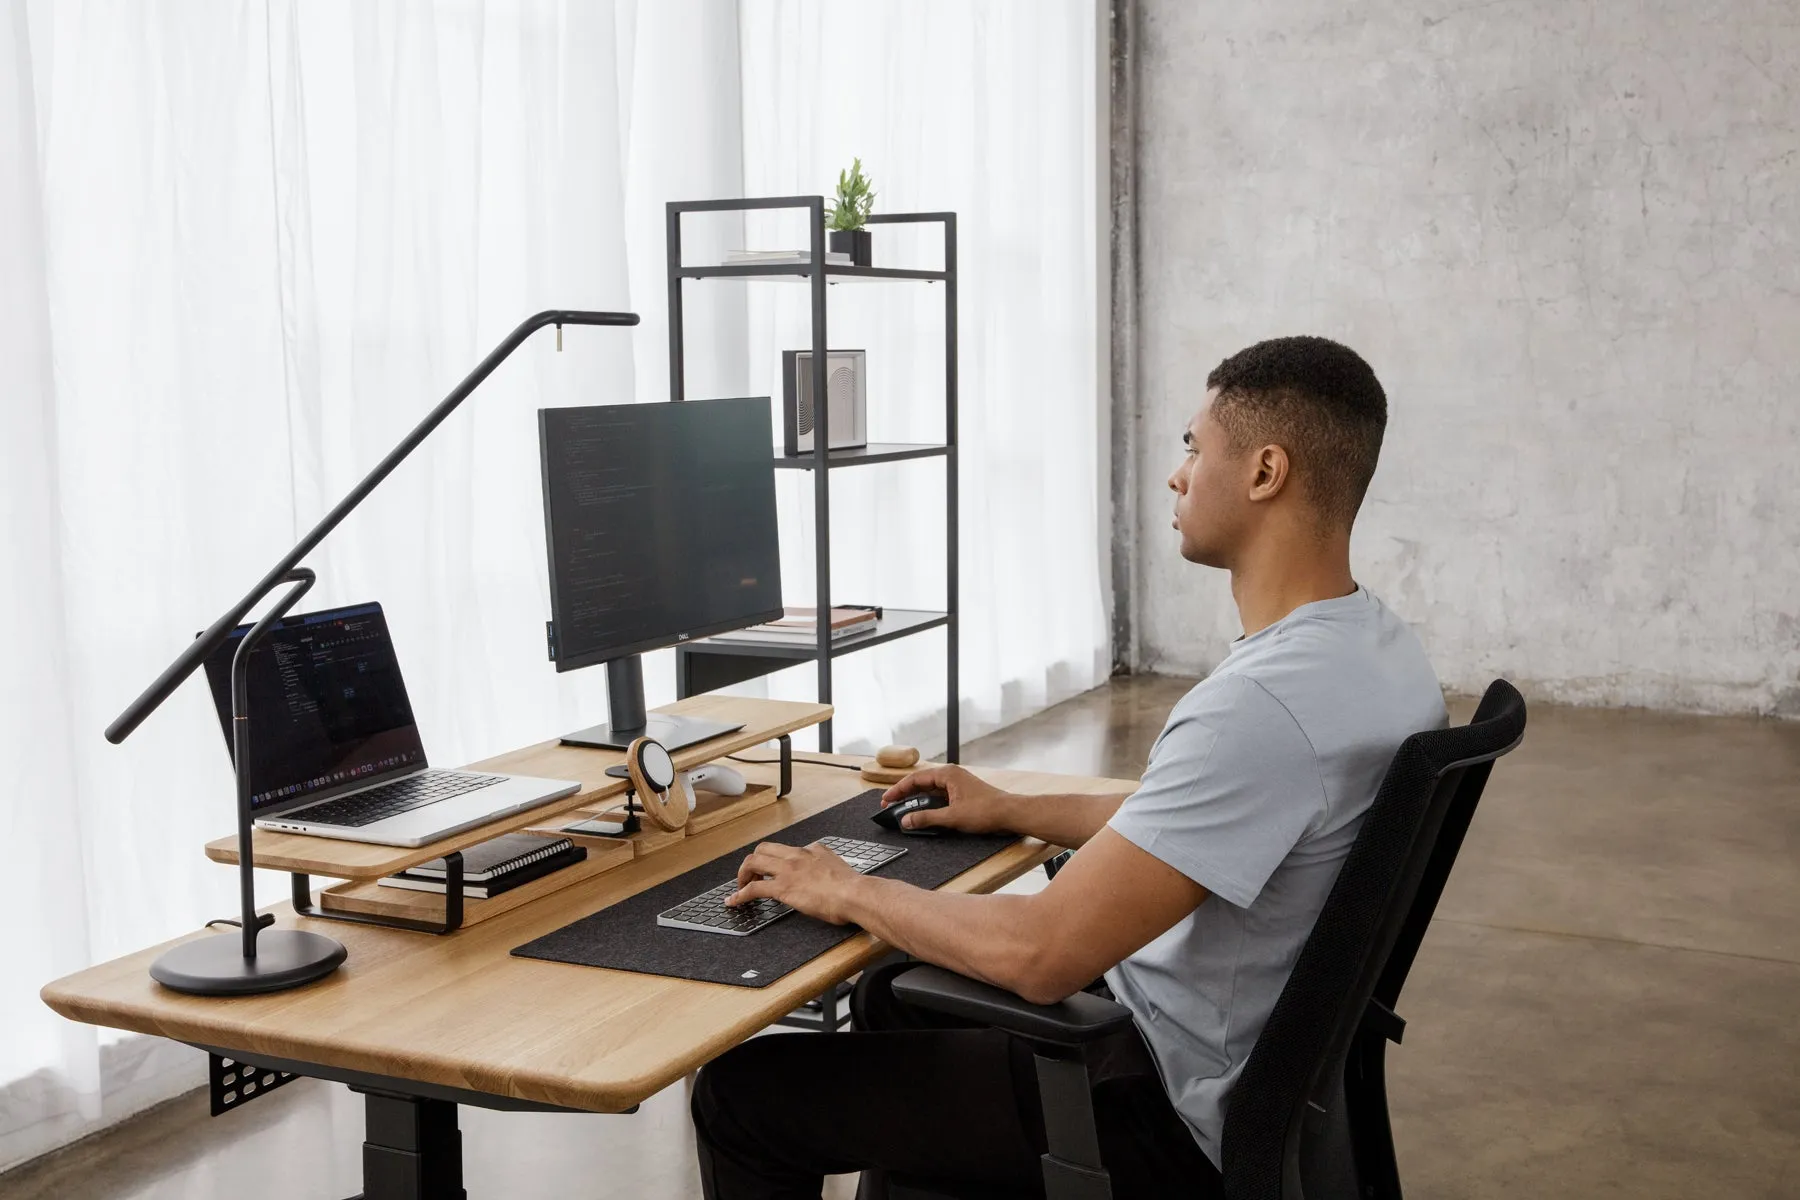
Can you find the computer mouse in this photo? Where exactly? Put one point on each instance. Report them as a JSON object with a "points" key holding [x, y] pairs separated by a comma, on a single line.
{"points": [[890, 817]]}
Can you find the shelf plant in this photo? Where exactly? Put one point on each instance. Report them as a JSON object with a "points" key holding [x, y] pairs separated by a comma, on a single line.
{"points": [[848, 216]]}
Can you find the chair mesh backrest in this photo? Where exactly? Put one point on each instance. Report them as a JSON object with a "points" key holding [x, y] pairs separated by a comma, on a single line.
{"points": [[1376, 910]]}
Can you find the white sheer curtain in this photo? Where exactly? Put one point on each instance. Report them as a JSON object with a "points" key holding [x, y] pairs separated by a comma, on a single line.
{"points": [[243, 247], [987, 110]]}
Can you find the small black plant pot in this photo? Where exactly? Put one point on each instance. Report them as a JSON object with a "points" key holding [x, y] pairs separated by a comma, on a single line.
{"points": [[854, 242]]}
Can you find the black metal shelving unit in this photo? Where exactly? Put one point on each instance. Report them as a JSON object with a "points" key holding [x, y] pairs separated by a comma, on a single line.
{"points": [[702, 666]]}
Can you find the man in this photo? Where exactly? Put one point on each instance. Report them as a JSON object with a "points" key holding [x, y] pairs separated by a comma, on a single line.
{"points": [[1192, 895]]}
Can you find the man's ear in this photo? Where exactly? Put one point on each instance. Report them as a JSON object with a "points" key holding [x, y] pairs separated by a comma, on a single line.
{"points": [[1270, 473]]}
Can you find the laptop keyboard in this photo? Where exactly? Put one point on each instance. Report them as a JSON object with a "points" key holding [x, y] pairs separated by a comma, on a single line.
{"points": [[391, 799], [707, 911]]}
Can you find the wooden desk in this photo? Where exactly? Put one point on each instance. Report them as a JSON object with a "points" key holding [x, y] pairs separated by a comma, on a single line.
{"points": [[435, 1021]]}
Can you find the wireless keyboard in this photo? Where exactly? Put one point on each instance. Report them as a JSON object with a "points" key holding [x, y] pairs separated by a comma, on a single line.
{"points": [[708, 914]]}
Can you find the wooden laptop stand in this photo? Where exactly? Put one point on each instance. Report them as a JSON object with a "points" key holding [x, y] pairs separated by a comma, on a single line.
{"points": [[363, 863]]}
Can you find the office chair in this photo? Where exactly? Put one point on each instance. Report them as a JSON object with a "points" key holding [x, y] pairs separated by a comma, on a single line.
{"points": [[1308, 1118]]}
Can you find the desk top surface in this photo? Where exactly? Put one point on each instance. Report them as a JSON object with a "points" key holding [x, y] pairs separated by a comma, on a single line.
{"points": [[460, 1011]]}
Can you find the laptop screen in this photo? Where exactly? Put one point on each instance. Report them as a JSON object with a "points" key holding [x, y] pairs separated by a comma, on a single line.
{"points": [[328, 710]]}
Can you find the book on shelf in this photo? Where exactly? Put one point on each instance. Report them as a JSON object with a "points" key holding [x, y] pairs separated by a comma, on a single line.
{"points": [[800, 626], [494, 866], [846, 616], [782, 258]]}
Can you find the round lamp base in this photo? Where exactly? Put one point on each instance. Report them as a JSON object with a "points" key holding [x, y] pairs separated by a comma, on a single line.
{"points": [[216, 966]]}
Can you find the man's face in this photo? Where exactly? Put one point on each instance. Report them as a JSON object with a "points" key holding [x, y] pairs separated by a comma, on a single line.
{"points": [[1211, 493]]}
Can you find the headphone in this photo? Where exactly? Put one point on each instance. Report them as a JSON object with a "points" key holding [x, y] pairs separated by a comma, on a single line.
{"points": [[652, 774]]}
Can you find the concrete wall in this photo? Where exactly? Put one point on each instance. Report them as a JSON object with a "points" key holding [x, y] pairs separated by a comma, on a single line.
{"points": [[1567, 237]]}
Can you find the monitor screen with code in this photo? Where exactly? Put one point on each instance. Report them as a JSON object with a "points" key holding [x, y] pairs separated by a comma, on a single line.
{"points": [[660, 524]]}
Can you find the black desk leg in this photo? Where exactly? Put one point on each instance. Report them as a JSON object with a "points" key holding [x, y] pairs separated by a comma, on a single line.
{"points": [[413, 1149], [787, 766]]}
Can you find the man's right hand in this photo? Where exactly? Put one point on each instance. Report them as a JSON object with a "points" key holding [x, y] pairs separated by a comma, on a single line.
{"points": [[975, 806]]}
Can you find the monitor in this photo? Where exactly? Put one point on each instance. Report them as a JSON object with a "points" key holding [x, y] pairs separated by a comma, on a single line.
{"points": [[659, 521], [328, 709]]}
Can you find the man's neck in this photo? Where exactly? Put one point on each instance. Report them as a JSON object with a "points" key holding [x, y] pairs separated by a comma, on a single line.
{"points": [[1279, 577]]}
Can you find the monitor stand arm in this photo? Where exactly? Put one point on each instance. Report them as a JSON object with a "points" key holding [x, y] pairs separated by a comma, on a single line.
{"points": [[625, 693], [625, 705]]}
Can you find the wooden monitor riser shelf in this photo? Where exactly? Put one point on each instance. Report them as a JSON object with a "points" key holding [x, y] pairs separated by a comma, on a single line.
{"points": [[763, 721], [649, 839], [709, 811], [370, 898], [462, 1012]]}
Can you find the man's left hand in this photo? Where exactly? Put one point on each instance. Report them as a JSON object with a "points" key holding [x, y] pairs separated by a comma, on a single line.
{"points": [[810, 878]]}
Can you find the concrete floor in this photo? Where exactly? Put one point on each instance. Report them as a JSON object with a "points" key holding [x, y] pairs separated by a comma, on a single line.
{"points": [[1607, 1005]]}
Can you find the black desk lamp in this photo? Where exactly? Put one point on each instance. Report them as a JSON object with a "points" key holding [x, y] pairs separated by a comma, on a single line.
{"points": [[252, 960]]}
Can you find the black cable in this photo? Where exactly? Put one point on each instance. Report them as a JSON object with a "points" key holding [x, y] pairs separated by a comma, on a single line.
{"points": [[772, 762], [262, 922]]}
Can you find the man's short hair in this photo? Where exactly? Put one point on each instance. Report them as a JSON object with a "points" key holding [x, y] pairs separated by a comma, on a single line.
{"points": [[1315, 399]]}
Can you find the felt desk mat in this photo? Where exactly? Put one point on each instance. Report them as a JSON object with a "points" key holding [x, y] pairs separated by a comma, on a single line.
{"points": [[626, 937]]}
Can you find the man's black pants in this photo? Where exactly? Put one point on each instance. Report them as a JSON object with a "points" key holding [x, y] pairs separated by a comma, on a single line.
{"points": [[918, 1094]]}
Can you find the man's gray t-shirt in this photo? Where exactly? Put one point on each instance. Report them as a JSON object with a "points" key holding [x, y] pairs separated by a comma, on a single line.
{"points": [[1255, 790]]}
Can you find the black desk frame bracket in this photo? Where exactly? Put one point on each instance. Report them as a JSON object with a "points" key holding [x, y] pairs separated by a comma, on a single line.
{"points": [[453, 903], [232, 1081], [823, 1013], [412, 1149]]}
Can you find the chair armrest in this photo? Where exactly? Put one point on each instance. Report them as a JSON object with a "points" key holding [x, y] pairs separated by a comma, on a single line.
{"points": [[1071, 1022]]}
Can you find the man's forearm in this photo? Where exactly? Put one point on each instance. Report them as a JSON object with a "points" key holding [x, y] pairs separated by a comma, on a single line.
{"points": [[991, 938], [1060, 820], [1109, 903]]}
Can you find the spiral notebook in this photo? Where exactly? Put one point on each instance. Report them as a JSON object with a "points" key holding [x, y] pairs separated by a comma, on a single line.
{"points": [[494, 862]]}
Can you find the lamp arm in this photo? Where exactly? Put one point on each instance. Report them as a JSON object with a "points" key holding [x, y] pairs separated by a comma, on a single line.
{"points": [[196, 651]]}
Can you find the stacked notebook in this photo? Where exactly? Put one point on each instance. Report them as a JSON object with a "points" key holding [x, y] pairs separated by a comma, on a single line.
{"points": [[495, 866], [800, 626]]}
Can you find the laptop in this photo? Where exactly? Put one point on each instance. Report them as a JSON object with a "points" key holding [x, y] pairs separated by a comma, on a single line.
{"points": [[334, 751]]}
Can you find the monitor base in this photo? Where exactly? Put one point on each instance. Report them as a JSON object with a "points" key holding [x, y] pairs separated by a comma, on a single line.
{"points": [[672, 731]]}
